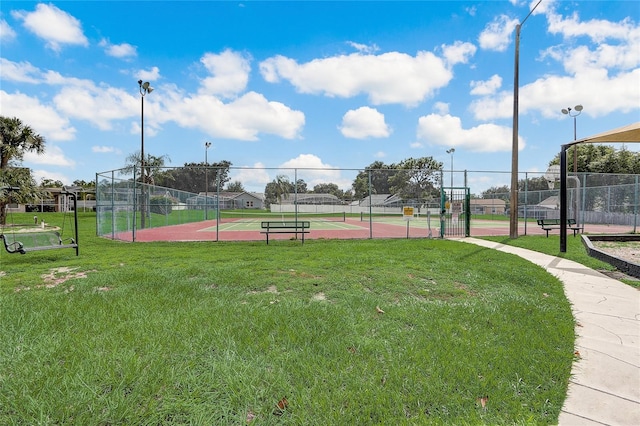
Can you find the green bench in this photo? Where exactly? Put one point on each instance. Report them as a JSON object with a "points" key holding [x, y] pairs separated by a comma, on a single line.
{"points": [[551, 224], [25, 242], [285, 227]]}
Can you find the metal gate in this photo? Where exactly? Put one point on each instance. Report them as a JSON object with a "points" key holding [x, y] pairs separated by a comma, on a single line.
{"points": [[455, 212]]}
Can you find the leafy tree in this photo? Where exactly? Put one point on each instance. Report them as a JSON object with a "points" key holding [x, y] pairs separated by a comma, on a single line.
{"points": [[610, 167], [83, 183], [533, 184], [416, 178], [301, 187], [50, 183], [328, 188], [235, 186], [602, 159], [380, 175], [16, 139], [84, 188], [499, 192], [196, 177]]}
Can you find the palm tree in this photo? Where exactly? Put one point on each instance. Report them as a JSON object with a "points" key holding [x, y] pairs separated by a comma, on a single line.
{"points": [[152, 165], [16, 139]]}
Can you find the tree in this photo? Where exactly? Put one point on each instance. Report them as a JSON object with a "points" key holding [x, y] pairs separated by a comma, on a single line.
{"points": [[499, 192], [16, 139], [602, 159], [83, 183], [50, 183], [606, 167], [193, 177], [328, 188], [416, 178], [301, 187], [152, 166], [277, 189], [533, 184], [380, 175], [235, 186]]}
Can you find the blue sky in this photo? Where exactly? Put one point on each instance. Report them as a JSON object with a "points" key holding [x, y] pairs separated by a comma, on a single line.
{"points": [[274, 85]]}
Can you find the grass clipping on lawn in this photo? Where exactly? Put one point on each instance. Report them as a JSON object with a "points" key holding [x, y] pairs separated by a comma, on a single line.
{"points": [[329, 332]]}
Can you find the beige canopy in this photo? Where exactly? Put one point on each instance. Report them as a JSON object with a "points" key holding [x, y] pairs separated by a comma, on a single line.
{"points": [[625, 134], [628, 133]]}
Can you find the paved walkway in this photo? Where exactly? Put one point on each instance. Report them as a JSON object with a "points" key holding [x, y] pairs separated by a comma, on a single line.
{"points": [[604, 388]]}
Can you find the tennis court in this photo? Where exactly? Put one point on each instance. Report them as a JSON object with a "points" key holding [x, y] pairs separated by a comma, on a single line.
{"points": [[247, 227]]}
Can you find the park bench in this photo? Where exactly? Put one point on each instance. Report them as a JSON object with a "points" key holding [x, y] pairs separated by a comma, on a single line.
{"points": [[551, 224], [285, 227]]}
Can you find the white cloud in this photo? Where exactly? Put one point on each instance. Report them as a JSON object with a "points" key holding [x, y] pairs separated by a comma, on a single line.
{"points": [[22, 72], [148, 75], [53, 156], [387, 78], [363, 123], [101, 149], [441, 108], [97, 105], [601, 76], [123, 50], [600, 93], [40, 175], [6, 32], [43, 119], [597, 29], [487, 87], [242, 119], [53, 25], [364, 48], [380, 154], [458, 53], [446, 130], [230, 73], [254, 178], [498, 34], [313, 171]]}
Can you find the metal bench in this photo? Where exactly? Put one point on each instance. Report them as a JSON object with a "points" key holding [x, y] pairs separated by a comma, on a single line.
{"points": [[551, 224], [285, 227]]}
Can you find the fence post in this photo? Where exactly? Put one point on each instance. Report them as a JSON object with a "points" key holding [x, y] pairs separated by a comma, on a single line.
{"points": [[526, 199], [635, 207], [135, 198], [370, 208]]}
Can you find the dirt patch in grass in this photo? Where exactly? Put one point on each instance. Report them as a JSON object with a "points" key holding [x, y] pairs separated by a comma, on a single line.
{"points": [[271, 289], [319, 297], [57, 276]]}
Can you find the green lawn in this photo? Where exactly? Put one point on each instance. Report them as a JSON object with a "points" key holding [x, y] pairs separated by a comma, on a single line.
{"points": [[219, 333]]}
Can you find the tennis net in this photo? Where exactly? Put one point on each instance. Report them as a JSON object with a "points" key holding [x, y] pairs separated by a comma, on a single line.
{"points": [[241, 216]]}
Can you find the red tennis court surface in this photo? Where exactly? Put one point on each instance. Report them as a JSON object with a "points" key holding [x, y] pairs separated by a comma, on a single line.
{"points": [[206, 231]]}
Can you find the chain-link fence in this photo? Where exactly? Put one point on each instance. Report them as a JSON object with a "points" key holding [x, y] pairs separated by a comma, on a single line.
{"points": [[177, 196]]}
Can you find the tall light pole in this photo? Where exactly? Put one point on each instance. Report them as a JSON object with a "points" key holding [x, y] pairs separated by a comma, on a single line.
{"points": [[145, 89], [513, 212], [206, 178], [451, 151], [574, 113]]}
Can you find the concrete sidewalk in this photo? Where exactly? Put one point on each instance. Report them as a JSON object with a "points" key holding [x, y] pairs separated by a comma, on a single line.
{"points": [[604, 388]]}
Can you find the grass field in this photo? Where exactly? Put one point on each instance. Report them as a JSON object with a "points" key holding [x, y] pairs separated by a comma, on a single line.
{"points": [[338, 332]]}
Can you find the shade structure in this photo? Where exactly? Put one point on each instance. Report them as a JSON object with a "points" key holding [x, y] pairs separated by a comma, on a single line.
{"points": [[628, 133], [625, 134]]}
